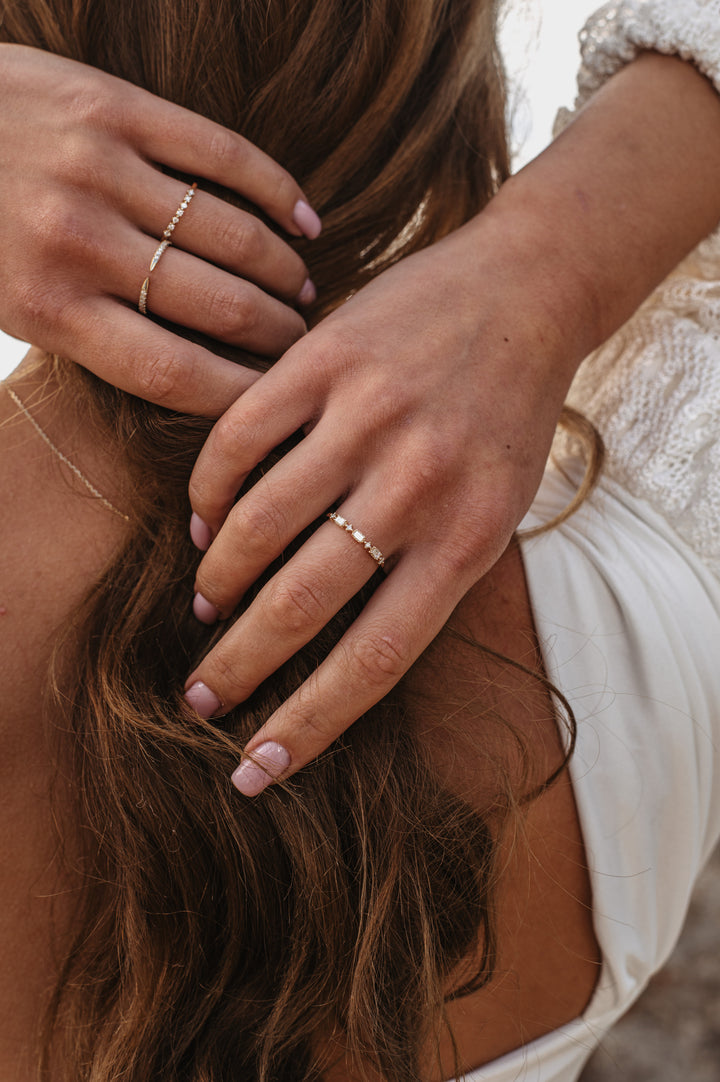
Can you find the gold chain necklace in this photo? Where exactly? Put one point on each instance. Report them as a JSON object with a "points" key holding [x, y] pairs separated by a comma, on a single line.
{"points": [[63, 458]]}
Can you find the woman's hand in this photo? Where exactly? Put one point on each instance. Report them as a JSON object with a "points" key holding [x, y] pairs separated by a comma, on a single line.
{"points": [[84, 207], [433, 404], [433, 396]]}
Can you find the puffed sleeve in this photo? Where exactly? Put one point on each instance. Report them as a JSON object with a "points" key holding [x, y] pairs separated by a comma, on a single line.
{"points": [[653, 390], [618, 32]]}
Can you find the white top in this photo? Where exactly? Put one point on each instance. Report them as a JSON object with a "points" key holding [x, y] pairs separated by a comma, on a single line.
{"points": [[629, 622], [626, 595]]}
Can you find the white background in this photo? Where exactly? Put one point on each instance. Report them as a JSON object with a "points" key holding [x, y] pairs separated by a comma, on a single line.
{"points": [[539, 40]]}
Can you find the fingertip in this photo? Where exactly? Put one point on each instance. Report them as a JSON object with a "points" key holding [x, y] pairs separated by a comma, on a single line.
{"points": [[308, 293], [200, 533], [203, 700], [307, 221], [268, 762], [204, 610]]}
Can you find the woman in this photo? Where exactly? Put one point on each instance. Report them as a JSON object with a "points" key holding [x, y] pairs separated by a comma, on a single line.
{"points": [[441, 337], [318, 932], [517, 299]]}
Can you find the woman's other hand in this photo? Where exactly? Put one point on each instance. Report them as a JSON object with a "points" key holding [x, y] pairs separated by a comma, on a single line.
{"points": [[430, 401], [429, 404], [85, 204]]}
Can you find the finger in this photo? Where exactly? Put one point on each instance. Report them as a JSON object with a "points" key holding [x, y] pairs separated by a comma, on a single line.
{"points": [[215, 231], [134, 354], [287, 613], [246, 434], [265, 521], [190, 292], [397, 624], [192, 144]]}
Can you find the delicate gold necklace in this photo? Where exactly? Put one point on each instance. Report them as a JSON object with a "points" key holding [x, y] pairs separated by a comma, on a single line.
{"points": [[63, 458]]}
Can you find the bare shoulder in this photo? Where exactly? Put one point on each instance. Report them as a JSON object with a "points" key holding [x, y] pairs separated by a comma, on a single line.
{"points": [[549, 959]]}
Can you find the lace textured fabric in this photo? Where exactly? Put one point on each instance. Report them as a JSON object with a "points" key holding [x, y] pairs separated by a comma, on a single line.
{"points": [[653, 390], [615, 34]]}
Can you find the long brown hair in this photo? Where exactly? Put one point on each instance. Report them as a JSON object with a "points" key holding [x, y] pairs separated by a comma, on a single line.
{"points": [[222, 938]]}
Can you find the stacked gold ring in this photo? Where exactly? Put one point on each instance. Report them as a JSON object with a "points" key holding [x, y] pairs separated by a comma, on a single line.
{"points": [[163, 246]]}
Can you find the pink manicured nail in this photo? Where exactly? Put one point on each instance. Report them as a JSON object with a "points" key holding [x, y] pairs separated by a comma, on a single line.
{"points": [[307, 220], [200, 533], [203, 701], [307, 294], [251, 778], [205, 610]]}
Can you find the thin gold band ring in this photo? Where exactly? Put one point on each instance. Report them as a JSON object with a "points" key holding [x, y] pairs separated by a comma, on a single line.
{"points": [[163, 246], [372, 550]]}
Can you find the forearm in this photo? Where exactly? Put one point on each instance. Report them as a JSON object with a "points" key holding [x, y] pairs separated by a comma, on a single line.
{"points": [[603, 215]]}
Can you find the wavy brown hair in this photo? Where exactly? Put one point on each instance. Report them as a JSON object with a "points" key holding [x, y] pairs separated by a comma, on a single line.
{"points": [[221, 938]]}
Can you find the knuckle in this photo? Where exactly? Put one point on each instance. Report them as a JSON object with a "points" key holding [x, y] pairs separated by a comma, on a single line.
{"points": [[95, 103], [461, 555], [472, 543], [223, 149], [38, 306], [295, 607], [59, 229], [281, 189], [431, 473], [230, 313], [158, 377], [261, 527], [232, 433], [381, 657], [309, 719], [224, 676], [247, 241], [436, 455], [112, 111], [79, 164], [226, 235], [320, 727], [337, 355]]}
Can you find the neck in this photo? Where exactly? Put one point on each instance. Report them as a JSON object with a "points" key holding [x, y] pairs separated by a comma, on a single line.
{"points": [[56, 539]]}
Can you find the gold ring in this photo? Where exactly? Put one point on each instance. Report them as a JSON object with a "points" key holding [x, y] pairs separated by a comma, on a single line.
{"points": [[167, 235], [372, 550], [163, 245]]}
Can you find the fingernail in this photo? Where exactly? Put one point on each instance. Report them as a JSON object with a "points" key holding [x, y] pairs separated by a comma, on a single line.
{"points": [[307, 220], [200, 533], [205, 610], [251, 778], [307, 294], [203, 701]]}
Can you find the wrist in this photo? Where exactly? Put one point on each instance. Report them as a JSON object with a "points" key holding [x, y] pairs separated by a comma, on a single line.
{"points": [[587, 230], [548, 312]]}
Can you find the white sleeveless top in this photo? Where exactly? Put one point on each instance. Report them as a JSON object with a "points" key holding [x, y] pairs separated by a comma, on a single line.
{"points": [[626, 595]]}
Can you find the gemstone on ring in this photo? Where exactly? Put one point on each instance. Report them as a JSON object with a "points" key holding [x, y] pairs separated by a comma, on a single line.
{"points": [[372, 550], [180, 211]]}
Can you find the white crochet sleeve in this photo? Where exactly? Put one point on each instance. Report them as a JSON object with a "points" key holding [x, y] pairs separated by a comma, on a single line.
{"points": [[653, 390], [615, 34]]}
